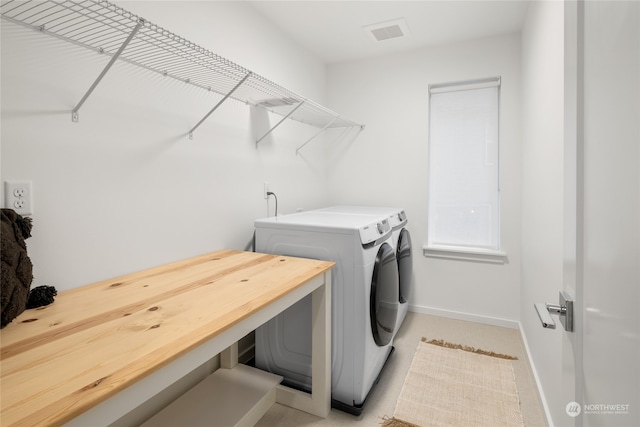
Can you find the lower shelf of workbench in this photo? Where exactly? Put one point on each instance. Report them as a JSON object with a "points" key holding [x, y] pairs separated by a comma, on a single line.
{"points": [[229, 397]]}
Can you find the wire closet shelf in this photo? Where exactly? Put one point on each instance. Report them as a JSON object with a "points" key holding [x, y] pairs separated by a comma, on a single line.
{"points": [[109, 29]]}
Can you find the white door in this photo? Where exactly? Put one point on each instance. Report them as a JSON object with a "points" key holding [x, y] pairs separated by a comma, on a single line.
{"points": [[601, 359]]}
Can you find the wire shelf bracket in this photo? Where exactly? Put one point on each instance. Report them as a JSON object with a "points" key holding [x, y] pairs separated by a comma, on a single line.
{"points": [[317, 133], [104, 27], [278, 124], [74, 113], [215, 107]]}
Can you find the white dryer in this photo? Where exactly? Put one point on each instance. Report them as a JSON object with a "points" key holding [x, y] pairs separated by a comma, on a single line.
{"points": [[401, 243], [364, 301]]}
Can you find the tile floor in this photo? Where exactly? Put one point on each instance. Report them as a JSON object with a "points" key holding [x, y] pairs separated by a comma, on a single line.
{"points": [[383, 398]]}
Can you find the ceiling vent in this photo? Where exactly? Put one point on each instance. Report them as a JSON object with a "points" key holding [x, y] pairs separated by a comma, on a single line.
{"points": [[388, 30]]}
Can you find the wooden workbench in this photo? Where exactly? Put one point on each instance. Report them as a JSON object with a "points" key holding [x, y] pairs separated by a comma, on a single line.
{"points": [[98, 344]]}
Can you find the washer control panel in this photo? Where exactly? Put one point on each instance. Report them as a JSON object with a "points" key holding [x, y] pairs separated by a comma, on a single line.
{"points": [[398, 219], [374, 231]]}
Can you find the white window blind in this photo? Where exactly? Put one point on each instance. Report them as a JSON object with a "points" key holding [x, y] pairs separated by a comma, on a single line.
{"points": [[463, 166]]}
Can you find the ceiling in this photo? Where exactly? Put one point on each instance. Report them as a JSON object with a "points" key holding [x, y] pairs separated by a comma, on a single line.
{"points": [[332, 29]]}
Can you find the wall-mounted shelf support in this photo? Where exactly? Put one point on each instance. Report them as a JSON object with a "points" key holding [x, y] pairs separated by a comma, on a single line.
{"points": [[74, 112], [281, 120], [317, 133], [219, 103]]}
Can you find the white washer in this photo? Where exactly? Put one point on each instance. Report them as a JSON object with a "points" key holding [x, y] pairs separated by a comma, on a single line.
{"points": [[401, 243], [364, 301]]}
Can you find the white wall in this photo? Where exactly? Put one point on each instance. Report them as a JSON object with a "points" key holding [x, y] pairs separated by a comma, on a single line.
{"points": [[542, 189], [386, 165], [125, 189]]}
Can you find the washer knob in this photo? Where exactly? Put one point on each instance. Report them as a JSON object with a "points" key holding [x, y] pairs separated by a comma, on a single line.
{"points": [[380, 228]]}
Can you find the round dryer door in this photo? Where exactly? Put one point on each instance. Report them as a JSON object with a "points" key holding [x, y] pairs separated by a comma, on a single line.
{"points": [[384, 295], [405, 264]]}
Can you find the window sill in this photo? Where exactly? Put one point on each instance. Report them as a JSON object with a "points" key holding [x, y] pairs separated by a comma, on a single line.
{"points": [[465, 254]]}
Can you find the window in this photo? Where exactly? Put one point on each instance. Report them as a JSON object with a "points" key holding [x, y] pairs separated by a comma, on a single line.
{"points": [[463, 167]]}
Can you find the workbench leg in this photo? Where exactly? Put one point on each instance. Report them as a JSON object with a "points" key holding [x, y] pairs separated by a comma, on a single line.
{"points": [[319, 402], [229, 357], [321, 349]]}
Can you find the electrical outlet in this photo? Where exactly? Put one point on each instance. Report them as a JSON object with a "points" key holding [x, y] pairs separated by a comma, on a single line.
{"points": [[266, 190], [18, 196]]}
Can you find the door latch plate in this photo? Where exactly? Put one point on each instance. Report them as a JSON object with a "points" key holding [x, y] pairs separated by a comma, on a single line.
{"points": [[566, 318]]}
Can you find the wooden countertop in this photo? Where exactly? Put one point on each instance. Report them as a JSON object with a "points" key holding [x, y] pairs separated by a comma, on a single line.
{"points": [[94, 341]]}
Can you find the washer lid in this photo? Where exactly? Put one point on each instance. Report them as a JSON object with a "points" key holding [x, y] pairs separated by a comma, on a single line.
{"points": [[368, 229], [397, 217]]}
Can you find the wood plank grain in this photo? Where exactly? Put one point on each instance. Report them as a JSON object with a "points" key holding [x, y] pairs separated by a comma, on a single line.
{"points": [[74, 310], [76, 302], [73, 360]]}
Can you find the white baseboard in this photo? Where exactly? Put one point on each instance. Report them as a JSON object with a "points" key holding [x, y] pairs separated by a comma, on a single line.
{"points": [[543, 399], [494, 321]]}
